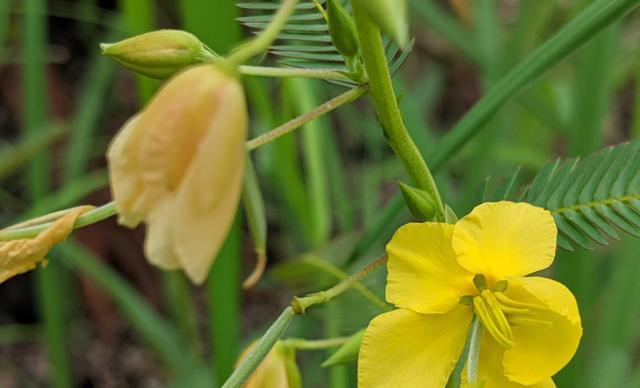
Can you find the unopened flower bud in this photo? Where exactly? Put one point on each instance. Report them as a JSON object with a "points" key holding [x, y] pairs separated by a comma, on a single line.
{"points": [[421, 204], [158, 54], [178, 167], [390, 16], [278, 369], [19, 256], [342, 29]]}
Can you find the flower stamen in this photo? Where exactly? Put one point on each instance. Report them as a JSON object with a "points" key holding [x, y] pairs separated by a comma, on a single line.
{"points": [[488, 319]]}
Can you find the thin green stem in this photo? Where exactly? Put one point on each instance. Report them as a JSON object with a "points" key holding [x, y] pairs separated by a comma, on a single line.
{"points": [[262, 42], [385, 100], [328, 106], [474, 353], [264, 71], [260, 351], [91, 217], [301, 304], [305, 344]]}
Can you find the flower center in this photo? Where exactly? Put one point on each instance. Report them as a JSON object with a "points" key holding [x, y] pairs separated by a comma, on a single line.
{"points": [[498, 313]]}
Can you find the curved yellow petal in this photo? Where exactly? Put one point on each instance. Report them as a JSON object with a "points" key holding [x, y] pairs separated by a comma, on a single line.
{"points": [[125, 182], [505, 239], [491, 371], [159, 243], [208, 195], [424, 275], [541, 349], [405, 349]]}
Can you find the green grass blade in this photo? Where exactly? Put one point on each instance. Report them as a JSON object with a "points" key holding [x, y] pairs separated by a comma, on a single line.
{"points": [[224, 304], [35, 92], [139, 18]]}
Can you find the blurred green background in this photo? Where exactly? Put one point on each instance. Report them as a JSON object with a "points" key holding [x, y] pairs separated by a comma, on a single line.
{"points": [[100, 316]]}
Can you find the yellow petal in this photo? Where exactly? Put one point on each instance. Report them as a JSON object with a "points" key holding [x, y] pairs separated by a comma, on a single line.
{"points": [[491, 371], [402, 348], [208, 196], [19, 256], [541, 349], [124, 178], [424, 275], [159, 243], [505, 239]]}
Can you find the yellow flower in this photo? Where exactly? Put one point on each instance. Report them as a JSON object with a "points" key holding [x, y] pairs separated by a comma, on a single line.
{"points": [[277, 370], [440, 275], [178, 167], [19, 256]]}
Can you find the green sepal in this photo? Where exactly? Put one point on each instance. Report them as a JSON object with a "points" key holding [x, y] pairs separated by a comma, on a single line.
{"points": [[346, 353], [450, 216], [421, 203]]}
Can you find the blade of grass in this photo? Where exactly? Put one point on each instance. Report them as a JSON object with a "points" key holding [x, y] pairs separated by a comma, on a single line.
{"points": [[34, 120], [139, 18], [214, 24], [613, 350], [303, 96], [5, 8]]}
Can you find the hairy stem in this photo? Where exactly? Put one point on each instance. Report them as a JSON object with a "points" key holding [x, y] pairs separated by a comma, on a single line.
{"points": [[305, 344], [263, 71], [301, 304], [384, 98], [336, 102]]}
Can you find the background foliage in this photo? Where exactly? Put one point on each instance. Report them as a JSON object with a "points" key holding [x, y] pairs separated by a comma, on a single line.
{"points": [[100, 316]]}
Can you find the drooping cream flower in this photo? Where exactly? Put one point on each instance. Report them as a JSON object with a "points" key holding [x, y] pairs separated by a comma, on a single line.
{"points": [[441, 275], [178, 167], [19, 256]]}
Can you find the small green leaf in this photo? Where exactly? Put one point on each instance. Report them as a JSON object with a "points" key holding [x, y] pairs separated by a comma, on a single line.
{"points": [[348, 352], [390, 16]]}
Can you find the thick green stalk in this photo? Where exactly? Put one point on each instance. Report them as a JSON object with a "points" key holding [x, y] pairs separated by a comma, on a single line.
{"points": [[386, 103]]}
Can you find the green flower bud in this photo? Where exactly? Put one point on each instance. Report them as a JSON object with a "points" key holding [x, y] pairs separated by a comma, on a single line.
{"points": [[342, 29], [420, 202], [158, 54], [390, 16], [278, 369]]}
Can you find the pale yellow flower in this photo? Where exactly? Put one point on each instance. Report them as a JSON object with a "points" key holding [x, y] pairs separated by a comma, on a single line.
{"points": [[178, 167], [441, 275], [19, 256]]}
